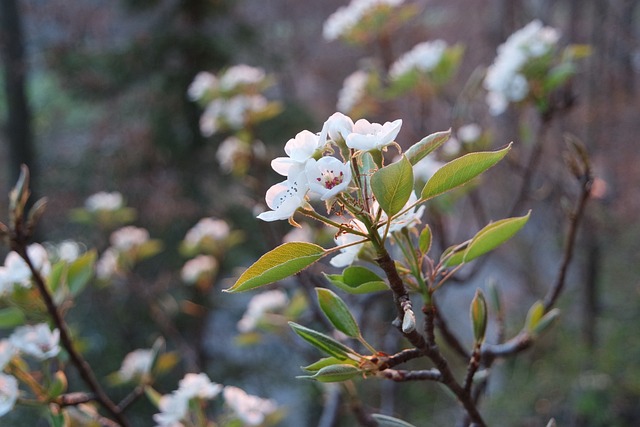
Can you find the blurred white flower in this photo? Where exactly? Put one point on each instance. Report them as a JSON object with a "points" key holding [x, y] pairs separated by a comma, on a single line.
{"points": [[230, 151], [198, 385], [250, 409], [173, 408], [423, 57], [198, 267], [103, 201], [353, 90], [373, 136], [408, 219], [129, 237], [38, 341], [8, 393], [202, 83], [7, 351], [207, 228], [241, 75], [16, 271], [67, 250], [348, 254], [265, 302], [137, 364], [107, 265], [469, 133], [347, 17]]}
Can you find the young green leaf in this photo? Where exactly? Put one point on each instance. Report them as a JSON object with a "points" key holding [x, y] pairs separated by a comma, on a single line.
{"points": [[424, 240], [80, 272], [334, 373], [327, 361], [393, 185], [460, 171], [534, 315], [426, 145], [322, 342], [358, 280], [283, 261], [10, 317], [337, 312], [387, 421]]}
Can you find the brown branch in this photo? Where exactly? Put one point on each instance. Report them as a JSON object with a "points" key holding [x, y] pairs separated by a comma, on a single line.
{"points": [[399, 358], [403, 375]]}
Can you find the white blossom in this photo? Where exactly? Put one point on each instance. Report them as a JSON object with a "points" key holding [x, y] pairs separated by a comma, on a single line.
{"points": [[103, 201], [336, 128], [107, 265], [198, 385], [128, 237], [373, 136], [353, 90], [342, 21], [423, 57], [207, 228], [241, 75], [469, 133], [230, 151], [173, 408], [265, 302], [348, 254], [203, 83], [250, 409], [38, 341], [197, 267], [299, 149], [136, 364], [410, 218], [16, 271], [8, 393], [328, 176], [285, 198], [7, 351]]}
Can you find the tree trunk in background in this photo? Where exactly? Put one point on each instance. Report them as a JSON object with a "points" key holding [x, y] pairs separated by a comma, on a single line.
{"points": [[18, 126]]}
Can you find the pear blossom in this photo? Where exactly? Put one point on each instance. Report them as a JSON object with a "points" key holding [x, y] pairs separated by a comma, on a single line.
{"points": [[8, 393], [7, 351], [373, 136], [136, 364], [241, 75], [265, 302], [353, 90], [285, 198], [336, 128], [16, 270], [303, 147], [348, 254], [103, 201], [410, 218], [328, 176], [207, 228], [342, 21], [107, 264], [38, 341], [504, 80], [251, 410], [129, 237], [198, 385], [173, 408], [230, 152], [203, 83], [423, 57], [469, 133], [194, 269]]}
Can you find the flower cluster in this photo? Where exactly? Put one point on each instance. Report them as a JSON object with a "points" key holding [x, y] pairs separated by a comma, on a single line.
{"points": [[346, 18], [103, 201], [128, 245], [505, 80], [136, 365], [252, 410], [423, 57], [15, 270], [229, 99], [266, 302]]}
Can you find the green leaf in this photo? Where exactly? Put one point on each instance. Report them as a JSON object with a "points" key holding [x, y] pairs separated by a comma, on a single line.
{"points": [[56, 277], [323, 342], [10, 317], [337, 312], [489, 238], [534, 315], [426, 145], [281, 262], [57, 418], [546, 321], [387, 421], [80, 272], [424, 241], [358, 280], [460, 171], [334, 373], [393, 185], [326, 361]]}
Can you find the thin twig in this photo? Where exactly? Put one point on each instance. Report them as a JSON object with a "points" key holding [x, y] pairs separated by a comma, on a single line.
{"points": [[403, 375]]}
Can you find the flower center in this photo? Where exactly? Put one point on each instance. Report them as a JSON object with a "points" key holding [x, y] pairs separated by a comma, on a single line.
{"points": [[329, 179]]}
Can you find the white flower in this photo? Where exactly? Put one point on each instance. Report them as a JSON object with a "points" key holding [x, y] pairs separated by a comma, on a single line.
{"points": [[336, 128], [198, 385], [260, 304], [107, 265], [128, 237], [423, 57], [202, 83], [197, 267], [348, 254], [103, 201], [8, 393], [7, 351], [230, 151], [207, 228], [299, 149], [210, 116], [408, 219], [37, 341], [173, 408], [328, 176], [67, 250], [16, 270], [342, 21], [353, 90], [285, 198], [469, 133], [373, 136], [249, 409], [136, 364], [241, 75]]}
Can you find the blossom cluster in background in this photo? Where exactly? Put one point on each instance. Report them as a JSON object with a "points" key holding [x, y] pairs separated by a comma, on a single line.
{"points": [[505, 80], [346, 18], [423, 57]]}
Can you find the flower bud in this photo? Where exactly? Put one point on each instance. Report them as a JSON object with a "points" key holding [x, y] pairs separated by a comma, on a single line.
{"points": [[478, 312]]}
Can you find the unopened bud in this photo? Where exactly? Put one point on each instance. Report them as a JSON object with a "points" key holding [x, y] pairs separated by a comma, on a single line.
{"points": [[478, 312]]}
